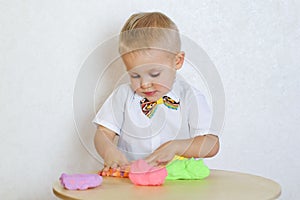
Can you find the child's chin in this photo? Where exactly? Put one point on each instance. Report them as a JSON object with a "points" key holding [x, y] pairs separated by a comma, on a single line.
{"points": [[151, 99]]}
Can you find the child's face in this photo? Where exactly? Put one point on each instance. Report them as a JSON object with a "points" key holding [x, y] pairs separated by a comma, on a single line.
{"points": [[152, 72]]}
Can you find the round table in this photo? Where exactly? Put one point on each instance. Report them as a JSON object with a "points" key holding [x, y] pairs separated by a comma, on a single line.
{"points": [[219, 185]]}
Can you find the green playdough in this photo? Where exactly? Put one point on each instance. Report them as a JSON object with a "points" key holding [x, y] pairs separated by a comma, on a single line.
{"points": [[187, 169]]}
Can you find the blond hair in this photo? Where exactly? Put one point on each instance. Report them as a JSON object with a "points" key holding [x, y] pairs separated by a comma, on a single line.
{"points": [[149, 30]]}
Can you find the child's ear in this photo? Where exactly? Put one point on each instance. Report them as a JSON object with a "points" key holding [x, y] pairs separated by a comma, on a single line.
{"points": [[179, 59]]}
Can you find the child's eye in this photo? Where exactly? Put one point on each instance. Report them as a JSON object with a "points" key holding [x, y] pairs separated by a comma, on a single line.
{"points": [[134, 76], [155, 75]]}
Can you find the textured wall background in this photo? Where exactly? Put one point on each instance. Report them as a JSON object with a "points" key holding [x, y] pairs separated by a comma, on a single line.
{"points": [[255, 46]]}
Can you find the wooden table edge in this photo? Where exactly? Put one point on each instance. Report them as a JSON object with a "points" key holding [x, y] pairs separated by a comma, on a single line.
{"points": [[276, 196]]}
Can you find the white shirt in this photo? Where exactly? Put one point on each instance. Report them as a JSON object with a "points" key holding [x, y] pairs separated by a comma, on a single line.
{"points": [[139, 135]]}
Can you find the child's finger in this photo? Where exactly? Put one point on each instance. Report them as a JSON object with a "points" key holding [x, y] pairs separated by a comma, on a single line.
{"points": [[152, 162], [152, 159], [124, 163], [105, 169], [114, 166], [162, 163], [149, 159], [125, 167]]}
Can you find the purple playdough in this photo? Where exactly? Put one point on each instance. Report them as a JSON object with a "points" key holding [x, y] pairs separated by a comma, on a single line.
{"points": [[80, 181]]}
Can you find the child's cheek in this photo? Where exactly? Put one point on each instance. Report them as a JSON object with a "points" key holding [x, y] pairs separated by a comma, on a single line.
{"points": [[134, 84], [166, 81]]}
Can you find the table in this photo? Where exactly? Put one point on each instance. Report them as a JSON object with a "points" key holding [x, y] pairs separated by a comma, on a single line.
{"points": [[219, 185]]}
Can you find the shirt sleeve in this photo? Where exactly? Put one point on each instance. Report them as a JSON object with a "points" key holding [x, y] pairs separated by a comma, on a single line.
{"points": [[111, 113], [200, 115]]}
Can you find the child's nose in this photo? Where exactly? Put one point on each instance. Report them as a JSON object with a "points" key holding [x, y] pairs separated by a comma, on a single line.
{"points": [[145, 83]]}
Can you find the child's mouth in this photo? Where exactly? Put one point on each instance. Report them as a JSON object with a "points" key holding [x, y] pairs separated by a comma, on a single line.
{"points": [[150, 93]]}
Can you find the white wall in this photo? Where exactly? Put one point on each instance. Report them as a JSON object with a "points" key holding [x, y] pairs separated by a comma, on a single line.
{"points": [[255, 46]]}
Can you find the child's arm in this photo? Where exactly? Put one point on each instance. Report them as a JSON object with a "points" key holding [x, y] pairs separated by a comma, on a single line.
{"points": [[198, 147], [104, 143]]}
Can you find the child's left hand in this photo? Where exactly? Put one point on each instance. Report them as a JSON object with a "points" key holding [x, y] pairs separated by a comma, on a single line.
{"points": [[163, 154]]}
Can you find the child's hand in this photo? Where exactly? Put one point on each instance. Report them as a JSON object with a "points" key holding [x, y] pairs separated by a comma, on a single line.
{"points": [[163, 154], [114, 159], [104, 143]]}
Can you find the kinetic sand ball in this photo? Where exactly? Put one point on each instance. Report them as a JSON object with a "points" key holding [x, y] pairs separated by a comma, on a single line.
{"points": [[80, 181], [141, 173], [189, 169]]}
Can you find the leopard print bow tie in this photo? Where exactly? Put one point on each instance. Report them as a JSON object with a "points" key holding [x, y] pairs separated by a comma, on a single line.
{"points": [[149, 108]]}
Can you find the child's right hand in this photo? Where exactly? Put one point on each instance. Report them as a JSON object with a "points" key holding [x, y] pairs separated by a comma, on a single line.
{"points": [[115, 159], [104, 143]]}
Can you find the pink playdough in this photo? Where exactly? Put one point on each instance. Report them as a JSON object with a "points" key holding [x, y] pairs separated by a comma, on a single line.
{"points": [[80, 181], [141, 173]]}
